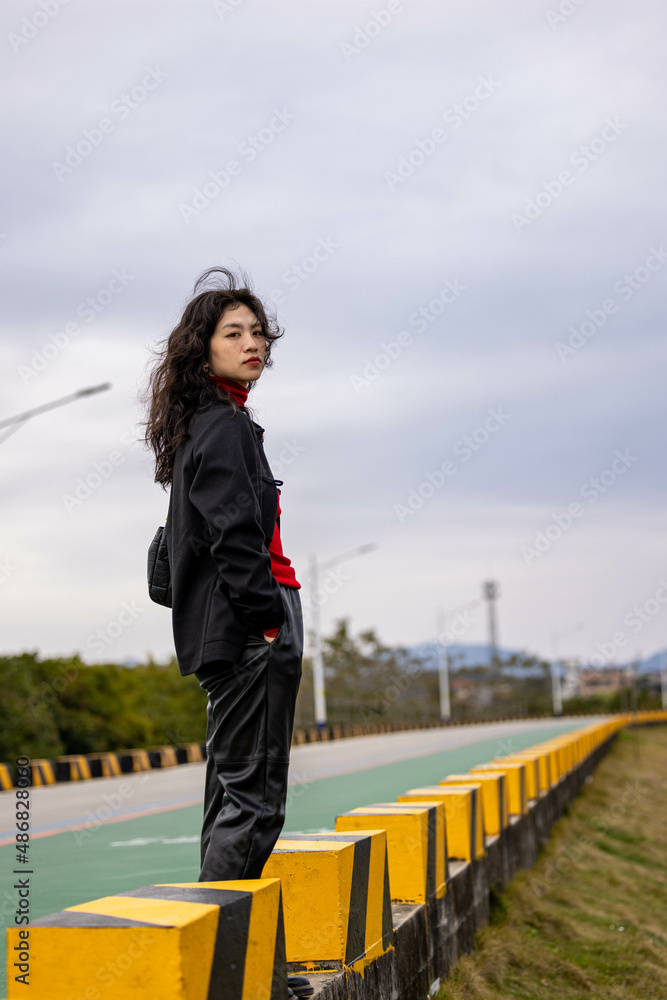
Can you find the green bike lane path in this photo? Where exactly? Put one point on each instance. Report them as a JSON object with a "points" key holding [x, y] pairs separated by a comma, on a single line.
{"points": [[78, 866]]}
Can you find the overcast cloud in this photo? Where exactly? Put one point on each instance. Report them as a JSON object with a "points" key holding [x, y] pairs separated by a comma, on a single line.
{"points": [[499, 167]]}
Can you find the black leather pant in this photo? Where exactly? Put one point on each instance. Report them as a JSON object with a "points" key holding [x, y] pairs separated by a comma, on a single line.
{"points": [[248, 735]]}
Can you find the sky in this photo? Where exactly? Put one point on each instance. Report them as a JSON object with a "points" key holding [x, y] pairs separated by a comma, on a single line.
{"points": [[458, 212]]}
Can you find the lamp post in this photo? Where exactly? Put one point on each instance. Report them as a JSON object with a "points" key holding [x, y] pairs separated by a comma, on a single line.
{"points": [[556, 692], [14, 423], [443, 658], [314, 570], [490, 595]]}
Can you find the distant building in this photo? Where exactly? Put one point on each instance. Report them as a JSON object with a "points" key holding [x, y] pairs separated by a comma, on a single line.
{"points": [[603, 681], [463, 690], [468, 693]]}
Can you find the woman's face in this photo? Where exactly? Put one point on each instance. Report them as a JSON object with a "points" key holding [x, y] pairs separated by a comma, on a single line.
{"points": [[238, 348]]}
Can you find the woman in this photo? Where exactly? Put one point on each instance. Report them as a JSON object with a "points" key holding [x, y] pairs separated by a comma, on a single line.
{"points": [[236, 611]]}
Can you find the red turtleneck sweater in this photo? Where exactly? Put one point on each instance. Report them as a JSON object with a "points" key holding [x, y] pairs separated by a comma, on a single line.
{"points": [[280, 565]]}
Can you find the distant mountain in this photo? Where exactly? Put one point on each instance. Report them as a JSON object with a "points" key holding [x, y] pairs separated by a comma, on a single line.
{"points": [[477, 654], [132, 661], [460, 654], [655, 663]]}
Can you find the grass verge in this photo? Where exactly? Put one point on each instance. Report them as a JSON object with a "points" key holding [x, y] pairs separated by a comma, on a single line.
{"points": [[590, 919]]}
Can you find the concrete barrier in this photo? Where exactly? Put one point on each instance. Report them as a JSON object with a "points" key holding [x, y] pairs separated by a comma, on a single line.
{"points": [[542, 764], [337, 907], [73, 767], [532, 772], [42, 772], [104, 765], [204, 940], [6, 783], [190, 753], [494, 798], [163, 757], [416, 846], [515, 781], [132, 761], [464, 816]]}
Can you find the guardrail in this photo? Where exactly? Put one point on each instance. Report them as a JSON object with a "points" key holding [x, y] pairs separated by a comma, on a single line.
{"points": [[379, 908]]}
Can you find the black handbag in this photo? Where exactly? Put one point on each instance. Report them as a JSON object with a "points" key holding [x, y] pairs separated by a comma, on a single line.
{"points": [[159, 574]]}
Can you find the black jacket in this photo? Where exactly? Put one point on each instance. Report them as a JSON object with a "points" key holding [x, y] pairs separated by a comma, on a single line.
{"points": [[221, 519]]}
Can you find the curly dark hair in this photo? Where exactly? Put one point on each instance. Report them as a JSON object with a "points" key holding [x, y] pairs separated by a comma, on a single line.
{"points": [[178, 387]]}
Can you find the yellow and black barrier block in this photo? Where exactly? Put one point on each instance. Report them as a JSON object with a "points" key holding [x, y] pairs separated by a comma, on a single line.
{"points": [[133, 761], [189, 753], [568, 774], [72, 767], [496, 821], [554, 769], [416, 845], [519, 841], [186, 941], [6, 782], [418, 873], [515, 782], [544, 779], [162, 757], [468, 883], [338, 908], [104, 765], [532, 771], [494, 798], [464, 816], [562, 756], [42, 772]]}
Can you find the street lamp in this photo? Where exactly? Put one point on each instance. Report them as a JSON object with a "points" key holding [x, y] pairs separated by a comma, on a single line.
{"points": [[556, 692], [315, 569], [443, 658], [14, 423]]}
